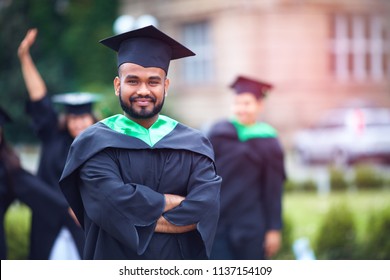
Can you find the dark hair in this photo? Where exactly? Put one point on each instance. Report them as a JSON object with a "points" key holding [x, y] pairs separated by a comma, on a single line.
{"points": [[63, 119], [8, 158]]}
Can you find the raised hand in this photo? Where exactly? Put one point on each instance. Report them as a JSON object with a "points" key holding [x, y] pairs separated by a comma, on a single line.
{"points": [[28, 41]]}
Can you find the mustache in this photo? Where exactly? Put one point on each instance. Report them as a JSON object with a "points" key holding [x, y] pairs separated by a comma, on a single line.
{"points": [[143, 97]]}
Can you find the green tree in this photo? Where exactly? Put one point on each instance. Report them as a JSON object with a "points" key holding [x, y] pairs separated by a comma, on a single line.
{"points": [[67, 52], [92, 64]]}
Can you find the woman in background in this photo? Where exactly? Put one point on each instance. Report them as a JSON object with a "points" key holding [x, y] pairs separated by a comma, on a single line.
{"points": [[16, 184]]}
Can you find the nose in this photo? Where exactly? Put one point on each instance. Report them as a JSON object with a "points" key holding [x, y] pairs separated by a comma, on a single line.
{"points": [[143, 89]]}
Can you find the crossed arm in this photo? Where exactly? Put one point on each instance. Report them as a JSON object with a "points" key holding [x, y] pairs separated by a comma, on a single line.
{"points": [[163, 226]]}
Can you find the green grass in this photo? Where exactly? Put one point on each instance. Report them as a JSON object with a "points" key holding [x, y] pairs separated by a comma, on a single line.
{"points": [[17, 229], [306, 210]]}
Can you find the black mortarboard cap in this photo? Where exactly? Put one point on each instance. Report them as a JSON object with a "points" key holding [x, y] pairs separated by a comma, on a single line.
{"points": [[4, 117], [147, 46], [77, 103], [256, 87]]}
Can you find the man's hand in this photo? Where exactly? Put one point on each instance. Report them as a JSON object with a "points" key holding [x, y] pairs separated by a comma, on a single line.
{"points": [[172, 201], [163, 226], [28, 41], [272, 242], [72, 214]]}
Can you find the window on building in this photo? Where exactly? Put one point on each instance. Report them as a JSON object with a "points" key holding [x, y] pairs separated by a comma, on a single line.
{"points": [[199, 68], [360, 47]]}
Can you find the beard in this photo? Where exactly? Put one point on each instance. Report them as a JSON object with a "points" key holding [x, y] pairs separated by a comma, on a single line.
{"points": [[143, 113]]}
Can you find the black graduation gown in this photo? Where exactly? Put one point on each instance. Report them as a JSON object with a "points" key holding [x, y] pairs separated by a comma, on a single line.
{"points": [[55, 144], [41, 199], [115, 185], [253, 175]]}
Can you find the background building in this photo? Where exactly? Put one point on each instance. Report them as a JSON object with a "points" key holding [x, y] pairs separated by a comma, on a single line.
{"points": [[317, 53]]}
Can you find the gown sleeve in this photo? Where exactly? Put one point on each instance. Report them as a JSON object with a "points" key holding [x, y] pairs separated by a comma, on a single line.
{"points": [[201, 205], [274, 178], [44, 117], [42, 200], [127, 211]]}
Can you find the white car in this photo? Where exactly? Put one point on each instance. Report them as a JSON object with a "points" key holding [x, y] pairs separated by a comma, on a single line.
{"points": [[346, 135]]}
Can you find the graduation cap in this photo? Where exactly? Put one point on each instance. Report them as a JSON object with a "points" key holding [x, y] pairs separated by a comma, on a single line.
{"points": [[147, 46], [257, 88], [76, 103], [4, 117]]}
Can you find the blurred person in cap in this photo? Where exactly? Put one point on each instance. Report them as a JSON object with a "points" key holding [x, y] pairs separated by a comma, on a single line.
{"points": [[56, 133], [250, 161], [143, 185], [16, 184]]}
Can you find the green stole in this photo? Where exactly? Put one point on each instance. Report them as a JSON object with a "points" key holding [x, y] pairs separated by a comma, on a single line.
{"points": [[162, 127], [257, 130]]}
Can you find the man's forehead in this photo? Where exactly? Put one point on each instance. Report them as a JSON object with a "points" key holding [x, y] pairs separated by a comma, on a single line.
{"points": [[131, 69], [246, 96]]}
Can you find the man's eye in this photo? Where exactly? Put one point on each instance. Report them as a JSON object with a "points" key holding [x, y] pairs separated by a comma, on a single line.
{"points": [[132, 82]]}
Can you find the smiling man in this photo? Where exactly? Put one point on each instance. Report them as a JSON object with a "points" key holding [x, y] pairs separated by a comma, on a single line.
{"points": [[143, 185]]}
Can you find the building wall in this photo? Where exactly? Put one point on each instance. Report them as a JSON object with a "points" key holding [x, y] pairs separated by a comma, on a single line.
{"points": [[284, 42]]}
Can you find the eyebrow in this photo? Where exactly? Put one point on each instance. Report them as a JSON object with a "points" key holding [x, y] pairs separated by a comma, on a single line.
{"points": [[155, 78], [131, 77], [149, 78]]}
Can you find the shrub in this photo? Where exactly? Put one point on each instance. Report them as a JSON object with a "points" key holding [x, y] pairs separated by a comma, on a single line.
{"points": [[290, 186], [337, 180], [307, 185], [386, 182], [377, 244], [336, 238], [367, 178]]}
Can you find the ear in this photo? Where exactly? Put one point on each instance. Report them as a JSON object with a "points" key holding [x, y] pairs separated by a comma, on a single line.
{"points": [[117, 85], [166, 86], [260, 105]]}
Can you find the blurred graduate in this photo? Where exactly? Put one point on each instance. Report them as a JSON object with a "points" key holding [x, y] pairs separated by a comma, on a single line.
{"points": [[250, 161], [143, 185], [17, 184], [56, 133]]}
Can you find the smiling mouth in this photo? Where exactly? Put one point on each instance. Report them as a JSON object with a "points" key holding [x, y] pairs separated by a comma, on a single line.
{"points": [[142, 101]]}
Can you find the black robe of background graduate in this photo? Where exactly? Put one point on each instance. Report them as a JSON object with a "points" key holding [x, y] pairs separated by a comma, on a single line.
{"points": [[55, 144], [251, 162], [120, 195], [42, 201], [18, 184], [253, 175]]}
